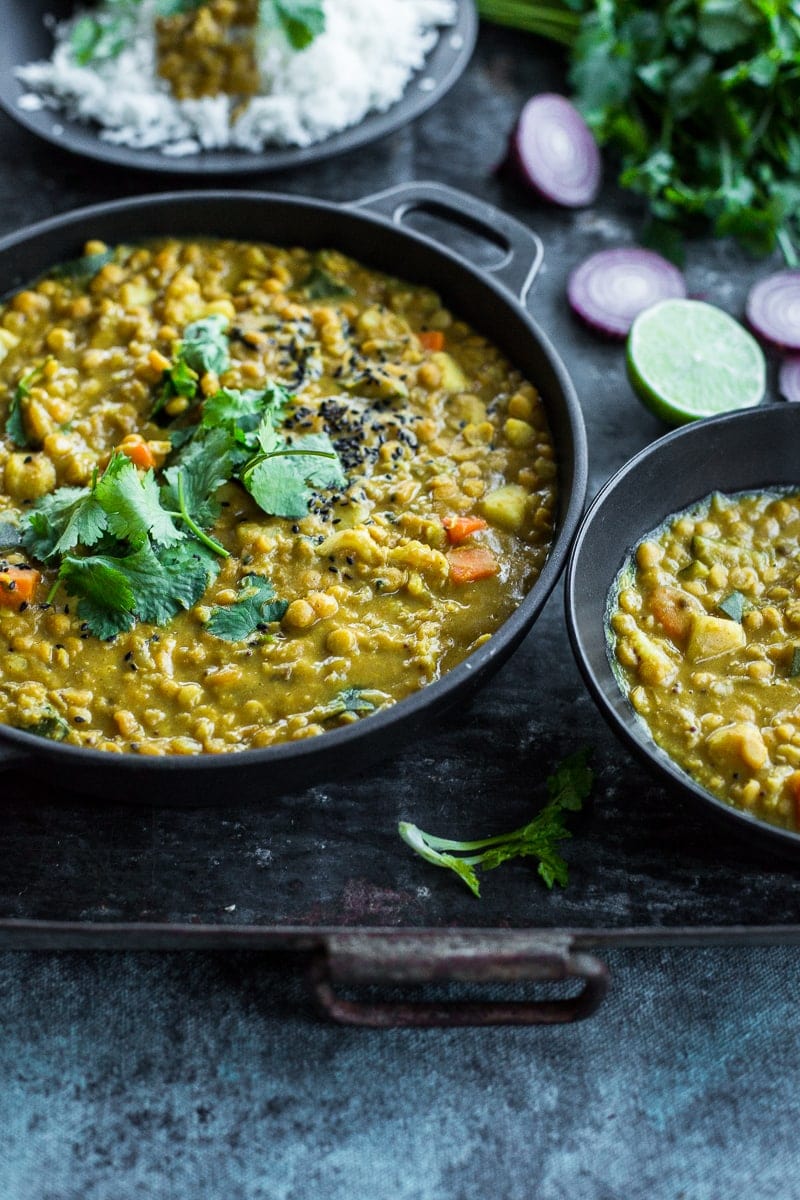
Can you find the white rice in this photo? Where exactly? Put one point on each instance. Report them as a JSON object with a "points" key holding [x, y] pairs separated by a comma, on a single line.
{"points": [[361, 64]]}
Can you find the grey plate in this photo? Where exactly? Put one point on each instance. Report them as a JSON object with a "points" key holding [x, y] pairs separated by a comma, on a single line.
{"points": [[742, 451], [26, 38]]}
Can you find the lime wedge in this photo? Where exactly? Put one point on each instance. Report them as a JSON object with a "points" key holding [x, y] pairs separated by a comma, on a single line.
{"points": [[687, 359]]}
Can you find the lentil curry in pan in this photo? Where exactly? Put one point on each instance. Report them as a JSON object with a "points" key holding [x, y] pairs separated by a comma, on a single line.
{"points": [[250, 494]]}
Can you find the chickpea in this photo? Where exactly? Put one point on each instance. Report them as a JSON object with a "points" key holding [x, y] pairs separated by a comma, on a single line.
{"points": [[29, 476], [299, 615]]}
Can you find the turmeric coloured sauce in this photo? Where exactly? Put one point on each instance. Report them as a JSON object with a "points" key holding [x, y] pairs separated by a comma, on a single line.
{"points": [[439, 523]]}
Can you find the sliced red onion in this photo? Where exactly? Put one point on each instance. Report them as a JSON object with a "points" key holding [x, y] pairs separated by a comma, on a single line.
{"points": [[555, 151], [789, 378], [773, 309], [609, 289]]}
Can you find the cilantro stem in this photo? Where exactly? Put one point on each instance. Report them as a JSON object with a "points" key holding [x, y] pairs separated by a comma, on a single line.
{"points": [[195, 528]]}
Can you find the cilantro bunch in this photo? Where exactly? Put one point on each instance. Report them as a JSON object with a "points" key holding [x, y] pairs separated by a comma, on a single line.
{"points": [[699, 101], [134, 548]]}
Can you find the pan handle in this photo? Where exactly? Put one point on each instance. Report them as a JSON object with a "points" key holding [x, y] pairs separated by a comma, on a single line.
{"points": [[522, 248]]}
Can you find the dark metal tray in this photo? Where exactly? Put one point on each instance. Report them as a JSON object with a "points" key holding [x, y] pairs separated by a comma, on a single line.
{"points": [[323, 875]]}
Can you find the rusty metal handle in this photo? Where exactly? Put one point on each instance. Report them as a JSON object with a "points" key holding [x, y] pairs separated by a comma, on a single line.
{"points": [[435, 957]]}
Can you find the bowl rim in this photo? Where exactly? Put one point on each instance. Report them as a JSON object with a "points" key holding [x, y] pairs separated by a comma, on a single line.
{"points": [[621, 717]]}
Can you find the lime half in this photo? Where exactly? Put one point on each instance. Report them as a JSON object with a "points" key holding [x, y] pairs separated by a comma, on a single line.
{"points": [[687, 359]]}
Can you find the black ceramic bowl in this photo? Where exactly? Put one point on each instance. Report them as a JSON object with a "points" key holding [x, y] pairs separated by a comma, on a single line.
{"points": [[491, 299], [734, 453]]}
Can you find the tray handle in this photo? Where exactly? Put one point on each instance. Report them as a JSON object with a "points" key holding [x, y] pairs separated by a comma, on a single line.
{"points": [[522, 248], [470, 957]]}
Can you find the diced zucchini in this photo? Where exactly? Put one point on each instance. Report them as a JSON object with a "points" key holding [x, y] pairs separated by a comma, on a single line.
{"points": [[714, 550]]}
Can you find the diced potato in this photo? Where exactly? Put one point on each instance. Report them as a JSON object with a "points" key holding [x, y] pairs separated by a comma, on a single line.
{"points": [[506, 506], [653, 664], [735, 746], [710, 636], [470, 408], [453, 378]]}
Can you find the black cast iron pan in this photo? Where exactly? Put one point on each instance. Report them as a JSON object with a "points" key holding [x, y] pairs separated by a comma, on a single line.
{"points": [[744, 451], [491, 300]]}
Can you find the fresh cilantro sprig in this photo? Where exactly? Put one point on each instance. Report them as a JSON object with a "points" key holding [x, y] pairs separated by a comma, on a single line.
{"points": [[697, 98], [119, 550], [567, 788], [203, 348], [253, 610]]}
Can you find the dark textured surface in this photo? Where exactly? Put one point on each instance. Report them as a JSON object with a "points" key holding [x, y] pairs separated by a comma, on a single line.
{"points": [[208, 1075], [641, 856]]}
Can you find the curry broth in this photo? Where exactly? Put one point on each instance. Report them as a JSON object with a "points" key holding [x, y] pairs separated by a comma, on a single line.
{"points": [[382, 592], [705, 628]]}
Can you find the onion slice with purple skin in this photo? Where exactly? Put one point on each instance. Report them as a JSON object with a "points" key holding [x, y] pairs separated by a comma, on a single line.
{"points": [[773, 309], [554, 150], [609, 289], [789, 378]]}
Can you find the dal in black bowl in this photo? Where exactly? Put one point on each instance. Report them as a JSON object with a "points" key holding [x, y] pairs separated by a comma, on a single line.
{"points": [[744, 452]]}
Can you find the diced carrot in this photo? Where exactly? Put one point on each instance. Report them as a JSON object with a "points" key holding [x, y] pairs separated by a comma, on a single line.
{"points": [[18, 586], [673, 610], [470, 563], [459, 528], [138, 451], [793, 784], [431, 339]]}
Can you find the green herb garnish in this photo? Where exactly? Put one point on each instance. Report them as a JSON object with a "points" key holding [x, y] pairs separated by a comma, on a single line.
{"points": [[203, 347], [698, 98], [253, 610], [49, 725], [320, 285], [15, 424], [300, 20], [567, 788]]}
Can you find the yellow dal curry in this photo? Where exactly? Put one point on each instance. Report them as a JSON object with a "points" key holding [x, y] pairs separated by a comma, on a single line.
{"points": [[431, 515], [705, 622]]}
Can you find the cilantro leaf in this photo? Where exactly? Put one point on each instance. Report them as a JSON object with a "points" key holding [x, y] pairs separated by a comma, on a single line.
{"points": [[132, 505], [245, 411], [107, 598], [48, 520], [114, 591], [203, 465], [567, 788], [281, 478], [320, 285], [15, 423], [204, 346], [301, 20], [254, 608]]}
